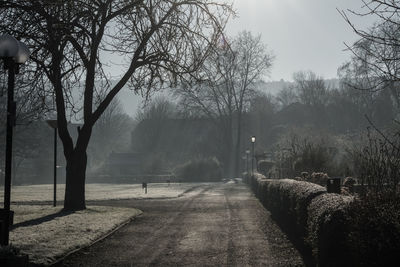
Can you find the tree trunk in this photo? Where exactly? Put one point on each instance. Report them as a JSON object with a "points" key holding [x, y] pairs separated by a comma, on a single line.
{"points": [[237, 146], [75, 181], [227, 154]]}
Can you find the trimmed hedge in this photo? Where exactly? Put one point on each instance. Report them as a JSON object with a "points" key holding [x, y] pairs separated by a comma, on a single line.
{"points": [[328, 229], [335, 230], [307, 212], [287, 199]]}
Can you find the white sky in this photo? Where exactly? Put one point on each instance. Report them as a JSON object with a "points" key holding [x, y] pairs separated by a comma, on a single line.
{"points": [[303, 34]]}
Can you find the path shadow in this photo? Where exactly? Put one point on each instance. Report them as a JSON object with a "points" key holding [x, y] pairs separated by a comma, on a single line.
{"points": [[42, 219]]}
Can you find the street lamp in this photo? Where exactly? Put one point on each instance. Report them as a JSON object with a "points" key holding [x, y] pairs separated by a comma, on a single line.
{"points": [[247, 161], [14, 53], [253, 141], [53, 124]]}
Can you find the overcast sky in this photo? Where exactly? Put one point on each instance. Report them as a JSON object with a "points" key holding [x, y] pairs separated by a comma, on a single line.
{"points": [[303, 34]]}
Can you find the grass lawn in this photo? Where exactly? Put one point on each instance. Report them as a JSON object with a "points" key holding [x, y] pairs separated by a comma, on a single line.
{"points": [[50, 233], [28, 193]]}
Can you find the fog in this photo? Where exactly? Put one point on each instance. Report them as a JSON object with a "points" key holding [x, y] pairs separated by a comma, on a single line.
{"points": [[280, 72], [242, 133]]}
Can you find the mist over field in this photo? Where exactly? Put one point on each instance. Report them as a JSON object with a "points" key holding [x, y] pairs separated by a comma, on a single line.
{"points": [[250, 133]]}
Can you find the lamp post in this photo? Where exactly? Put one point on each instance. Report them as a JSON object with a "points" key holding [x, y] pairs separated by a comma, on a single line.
{"points": [[53, 124], [14, 53], [247, 161], [253, 141]]}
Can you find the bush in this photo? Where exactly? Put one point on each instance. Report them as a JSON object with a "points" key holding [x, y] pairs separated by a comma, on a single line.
{"points": [[200, 170], [348, 186], [375, 230], [339, 230], [319, 178], [265, 167], [328, 228], [377, 162], [287, 200]]}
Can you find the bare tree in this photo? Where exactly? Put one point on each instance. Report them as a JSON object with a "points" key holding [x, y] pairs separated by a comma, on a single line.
{"points": [[376, 161], [160, 42], [310, 88], [260, 118], [157, 109], [230, 77], [305, 150], [110, 133], [374, 65], [287, 96], [31, 106], [151, 122]]}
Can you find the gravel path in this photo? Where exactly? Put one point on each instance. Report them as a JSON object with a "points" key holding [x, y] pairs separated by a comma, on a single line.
{"points": [[213, 225]]}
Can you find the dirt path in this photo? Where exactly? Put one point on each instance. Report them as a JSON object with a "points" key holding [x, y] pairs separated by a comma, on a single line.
{"points": [[218, 225]]}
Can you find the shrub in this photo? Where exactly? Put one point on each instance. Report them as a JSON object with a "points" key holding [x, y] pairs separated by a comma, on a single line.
{"points": [[348, 186], [339, 230], [377, 162], [319, 178], [200, 170], [287, 200], [328, 229], [375, 230], [265, 167], [305, 176]]}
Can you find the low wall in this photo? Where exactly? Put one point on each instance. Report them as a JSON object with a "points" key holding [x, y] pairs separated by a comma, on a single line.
{"points": [[312, 217]]}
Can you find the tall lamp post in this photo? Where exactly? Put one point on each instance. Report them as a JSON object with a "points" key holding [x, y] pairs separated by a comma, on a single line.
{"points": [[247, 161], [13, 53], [53, 124], [253, 141]]}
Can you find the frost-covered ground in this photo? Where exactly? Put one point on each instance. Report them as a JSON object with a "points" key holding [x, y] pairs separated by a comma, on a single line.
{"points": [[46, 233], [52, 233], [27, 193]]}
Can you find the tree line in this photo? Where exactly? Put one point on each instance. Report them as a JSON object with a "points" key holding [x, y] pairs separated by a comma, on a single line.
{"points": [[181, 44]]}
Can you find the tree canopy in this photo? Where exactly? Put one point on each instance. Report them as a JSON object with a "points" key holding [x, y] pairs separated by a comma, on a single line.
{"points": [[156, 43]]}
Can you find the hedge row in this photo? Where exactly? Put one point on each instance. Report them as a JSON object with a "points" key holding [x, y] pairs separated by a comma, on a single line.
{"points": [[328, 227], [316, 219]]}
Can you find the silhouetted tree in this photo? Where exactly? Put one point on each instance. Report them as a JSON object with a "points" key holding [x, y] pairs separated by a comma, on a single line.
{"points": [[286, 96], [230, 77], [260, 118], [375, 62], [152, 122], [160, 42], [310, 88], [31, 106]]}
